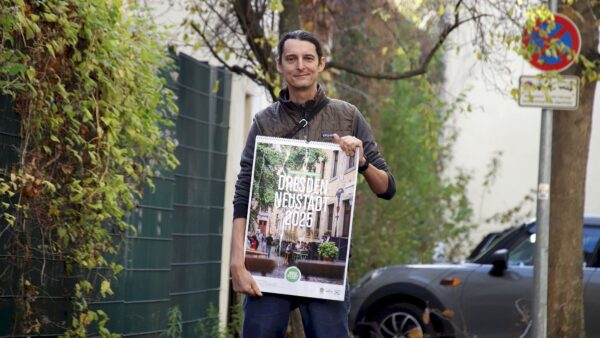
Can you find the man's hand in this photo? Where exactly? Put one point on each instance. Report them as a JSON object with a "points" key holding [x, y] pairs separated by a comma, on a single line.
{"points": [[243, 281], [349, 145], [376, 178]]}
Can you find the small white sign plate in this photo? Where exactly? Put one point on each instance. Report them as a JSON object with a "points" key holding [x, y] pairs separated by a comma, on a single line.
{"points": [[555, 94]]}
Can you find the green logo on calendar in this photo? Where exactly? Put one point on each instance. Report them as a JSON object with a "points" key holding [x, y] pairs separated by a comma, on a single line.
{"points": [[292, 274]]}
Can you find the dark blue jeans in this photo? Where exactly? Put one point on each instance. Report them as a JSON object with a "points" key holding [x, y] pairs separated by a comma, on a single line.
{"points": [[267, 316]]}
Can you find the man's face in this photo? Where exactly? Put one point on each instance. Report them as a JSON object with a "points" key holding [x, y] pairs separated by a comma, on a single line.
{"points": [[300, 65]]}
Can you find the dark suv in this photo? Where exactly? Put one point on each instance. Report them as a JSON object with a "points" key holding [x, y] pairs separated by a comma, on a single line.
{"points": [[488, 296]]}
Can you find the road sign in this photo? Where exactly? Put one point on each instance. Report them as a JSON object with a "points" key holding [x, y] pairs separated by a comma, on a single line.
{"points": [[564, 35], [554, 93]]}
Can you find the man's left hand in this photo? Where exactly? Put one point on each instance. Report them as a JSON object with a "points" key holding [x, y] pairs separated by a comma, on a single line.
{"points": [[349, 145]]}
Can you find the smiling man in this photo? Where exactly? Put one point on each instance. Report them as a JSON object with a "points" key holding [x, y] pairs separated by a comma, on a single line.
{"points": [[302, 112]]}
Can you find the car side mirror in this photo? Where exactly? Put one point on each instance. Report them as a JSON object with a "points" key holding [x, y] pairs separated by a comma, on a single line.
{"points": [[499, 261]]}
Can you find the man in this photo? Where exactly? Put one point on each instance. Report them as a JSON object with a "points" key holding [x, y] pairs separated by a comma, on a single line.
{"points": [[302, 112], [269, 245]]}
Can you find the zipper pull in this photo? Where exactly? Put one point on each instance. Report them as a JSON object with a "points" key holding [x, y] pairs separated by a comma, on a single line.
{"points": [[305, 128]]}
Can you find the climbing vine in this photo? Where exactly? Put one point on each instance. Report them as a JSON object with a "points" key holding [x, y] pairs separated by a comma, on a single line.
{"points": [[95, 126]]}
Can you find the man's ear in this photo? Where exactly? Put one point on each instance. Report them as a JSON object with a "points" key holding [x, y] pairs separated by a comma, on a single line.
{"points": [[322, 64], [279, 67]]}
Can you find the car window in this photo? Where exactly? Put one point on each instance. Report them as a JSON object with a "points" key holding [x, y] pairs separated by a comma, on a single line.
{"points": [[493, 245], [524, 252], [591, 235]]}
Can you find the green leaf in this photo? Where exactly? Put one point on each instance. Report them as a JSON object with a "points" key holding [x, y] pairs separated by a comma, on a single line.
{"points": [[105, 288], [50, 49], [62, 232], [50, 17]]}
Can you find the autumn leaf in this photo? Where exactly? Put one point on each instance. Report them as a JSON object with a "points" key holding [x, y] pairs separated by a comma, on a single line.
{"points": [[448, 313], [105, 288], [415, 333], [426, 316]]}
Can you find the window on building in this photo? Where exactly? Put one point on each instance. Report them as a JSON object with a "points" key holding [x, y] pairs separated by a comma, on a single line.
{"points": [[330, 217], [335, 163], [351, 161], [347, 216]]}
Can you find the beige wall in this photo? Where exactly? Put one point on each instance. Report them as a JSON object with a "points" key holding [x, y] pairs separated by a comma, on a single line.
{"points": [[497, 123], [246, 100]]}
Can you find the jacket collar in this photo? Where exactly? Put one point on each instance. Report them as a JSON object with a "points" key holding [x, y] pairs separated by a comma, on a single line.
{"points": [[296, 109]]}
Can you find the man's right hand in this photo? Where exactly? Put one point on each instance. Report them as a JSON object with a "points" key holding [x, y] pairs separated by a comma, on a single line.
{"points": [[243, 281]]}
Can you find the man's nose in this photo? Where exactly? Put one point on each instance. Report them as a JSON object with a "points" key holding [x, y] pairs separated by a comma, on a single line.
{"points": [[300, 64]]}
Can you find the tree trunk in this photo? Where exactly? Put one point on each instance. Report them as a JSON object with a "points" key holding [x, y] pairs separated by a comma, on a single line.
{"points": [[295, 329], [570, 144], [570, 148], [289, 19]]}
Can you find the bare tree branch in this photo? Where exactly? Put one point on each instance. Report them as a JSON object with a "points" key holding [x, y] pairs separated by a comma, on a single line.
{"points": [[247, 21], [424, 64], [235, 69]]}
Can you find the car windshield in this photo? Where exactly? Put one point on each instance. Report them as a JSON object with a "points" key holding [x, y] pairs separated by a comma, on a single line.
{"points": [[521, 243], [523, 252]]}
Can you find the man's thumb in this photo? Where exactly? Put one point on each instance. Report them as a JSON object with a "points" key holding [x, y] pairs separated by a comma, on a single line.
{"points": [[336, 138]]}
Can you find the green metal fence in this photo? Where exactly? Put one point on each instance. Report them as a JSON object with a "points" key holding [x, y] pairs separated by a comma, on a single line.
{"points": [[175, 257], [202, 129]]}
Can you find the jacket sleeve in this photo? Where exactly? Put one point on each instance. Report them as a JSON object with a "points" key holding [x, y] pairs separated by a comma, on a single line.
{"points": [[242, 185], [363, 132]]}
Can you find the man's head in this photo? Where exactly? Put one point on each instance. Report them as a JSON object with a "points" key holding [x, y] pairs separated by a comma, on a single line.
{"points": [[299, 35], [300, 60]]}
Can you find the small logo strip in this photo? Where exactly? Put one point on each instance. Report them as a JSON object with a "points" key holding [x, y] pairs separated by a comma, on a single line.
{"points": [[327, 134]]}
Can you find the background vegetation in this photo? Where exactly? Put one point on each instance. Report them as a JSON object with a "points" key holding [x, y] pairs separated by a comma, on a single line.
{"points": [[94, 115]]}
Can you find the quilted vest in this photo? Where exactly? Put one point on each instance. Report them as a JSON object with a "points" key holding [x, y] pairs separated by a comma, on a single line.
{"points": [[337, 117]]}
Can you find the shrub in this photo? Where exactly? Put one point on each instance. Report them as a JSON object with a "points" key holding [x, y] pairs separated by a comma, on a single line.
{"points": [[328, 250]]}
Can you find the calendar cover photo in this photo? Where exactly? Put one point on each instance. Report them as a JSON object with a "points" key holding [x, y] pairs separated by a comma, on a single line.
{"points": [[299, 221]]}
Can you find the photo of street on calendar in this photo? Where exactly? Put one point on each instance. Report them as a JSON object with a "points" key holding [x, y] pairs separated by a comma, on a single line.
{"points": [[299, 220]]}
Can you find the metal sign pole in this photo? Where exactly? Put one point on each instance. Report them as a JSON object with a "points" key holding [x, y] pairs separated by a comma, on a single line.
{"points": [[540, 290], [540, 305]]}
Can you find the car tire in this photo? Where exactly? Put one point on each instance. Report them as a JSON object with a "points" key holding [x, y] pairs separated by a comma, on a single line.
{"points": [[401, 320]]}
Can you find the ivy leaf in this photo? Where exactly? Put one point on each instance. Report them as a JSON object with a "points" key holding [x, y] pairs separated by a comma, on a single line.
{"points": [[50, 17], [105, 288], [62, 233]]}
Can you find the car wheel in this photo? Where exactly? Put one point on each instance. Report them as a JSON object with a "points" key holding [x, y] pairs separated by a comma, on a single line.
{"points": [[401, 320]]}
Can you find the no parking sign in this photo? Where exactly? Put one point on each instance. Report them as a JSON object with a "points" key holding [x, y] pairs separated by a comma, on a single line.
{"points": [[566, 39]]}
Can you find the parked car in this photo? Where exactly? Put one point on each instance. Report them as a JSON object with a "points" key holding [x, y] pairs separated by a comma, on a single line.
{"points": [[489, 296]]}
